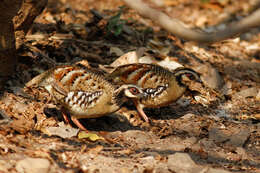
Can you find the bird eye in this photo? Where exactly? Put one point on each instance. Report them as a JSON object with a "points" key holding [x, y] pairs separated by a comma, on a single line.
{"points": [[133, 90], [190, 76]]}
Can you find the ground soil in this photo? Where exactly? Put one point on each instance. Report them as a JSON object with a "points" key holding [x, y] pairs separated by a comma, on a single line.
{"points": [[218, 129]]}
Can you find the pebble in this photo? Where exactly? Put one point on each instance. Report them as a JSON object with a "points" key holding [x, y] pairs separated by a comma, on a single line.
{"points": [[33, 165]]}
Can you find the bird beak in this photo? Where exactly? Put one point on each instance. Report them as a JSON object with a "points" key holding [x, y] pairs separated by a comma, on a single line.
{"points": [[199, 80]]}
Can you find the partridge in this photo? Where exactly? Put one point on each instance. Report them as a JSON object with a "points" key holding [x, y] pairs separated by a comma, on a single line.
{"points": [[84, 93], [160, 85]]}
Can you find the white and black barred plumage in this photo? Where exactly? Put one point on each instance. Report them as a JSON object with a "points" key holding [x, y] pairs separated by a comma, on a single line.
{"points": [[83, 92]]}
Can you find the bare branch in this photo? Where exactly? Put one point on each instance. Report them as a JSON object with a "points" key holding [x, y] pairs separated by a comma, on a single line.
{"points": [[177, 28]]}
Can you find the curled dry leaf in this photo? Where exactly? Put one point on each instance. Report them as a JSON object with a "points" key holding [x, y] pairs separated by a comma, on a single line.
{"points": [[170, 64], [211, 77], [84, 63], [128, 58], [136, 57]]}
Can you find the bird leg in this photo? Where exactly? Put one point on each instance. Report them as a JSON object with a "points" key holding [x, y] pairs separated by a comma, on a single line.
{"points": [[78, 124], [73, 119], [140, 110], [65, 117]]}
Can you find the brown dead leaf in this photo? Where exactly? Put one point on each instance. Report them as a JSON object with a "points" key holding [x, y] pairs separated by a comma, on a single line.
{"points": [[84, 63], [128, 58], [63, 131], [169, 64], [211, 77]]}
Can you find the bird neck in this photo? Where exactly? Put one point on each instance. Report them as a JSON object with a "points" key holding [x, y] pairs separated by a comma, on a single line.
{"points": [[119, 96], [179, 81], [179, 72]]}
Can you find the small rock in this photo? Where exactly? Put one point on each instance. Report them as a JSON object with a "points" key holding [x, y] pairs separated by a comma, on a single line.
{"points": [[238, 139], [235, 137], [33, 165], [182, 163], [207, 144], [218, 135]]}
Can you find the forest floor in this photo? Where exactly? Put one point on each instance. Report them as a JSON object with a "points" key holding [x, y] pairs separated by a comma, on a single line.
{"points": [[216, 131]]}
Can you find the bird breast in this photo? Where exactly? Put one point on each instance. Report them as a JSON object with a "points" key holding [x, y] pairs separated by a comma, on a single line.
{"points": [[167, 94], [89, 104]]}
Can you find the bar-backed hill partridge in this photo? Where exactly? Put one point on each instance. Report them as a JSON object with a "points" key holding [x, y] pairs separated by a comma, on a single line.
{"points": [[161, 86], [84, 93]]}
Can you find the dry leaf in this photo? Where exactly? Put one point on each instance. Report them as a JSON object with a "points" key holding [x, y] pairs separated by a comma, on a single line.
{"points": [[62, 131], [128, 58], [90, 136], [211, 77]]}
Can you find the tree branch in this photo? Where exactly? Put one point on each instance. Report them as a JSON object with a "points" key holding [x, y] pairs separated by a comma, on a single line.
{"points": [[177, 28]]}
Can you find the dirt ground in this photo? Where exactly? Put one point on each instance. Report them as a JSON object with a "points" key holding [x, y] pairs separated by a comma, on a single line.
{"points": [[218, 130]]}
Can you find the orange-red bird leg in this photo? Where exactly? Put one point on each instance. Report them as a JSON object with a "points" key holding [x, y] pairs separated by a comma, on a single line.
{"points": [[139, 108], [78, 124], [65, 117], [64, 114]]}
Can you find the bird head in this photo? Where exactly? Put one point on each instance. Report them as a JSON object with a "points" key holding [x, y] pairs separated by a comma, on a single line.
{"points": [[130, 91], [184, 74], [133, 91]]}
